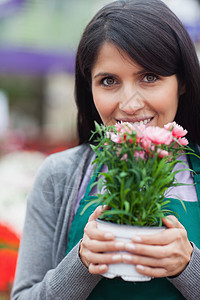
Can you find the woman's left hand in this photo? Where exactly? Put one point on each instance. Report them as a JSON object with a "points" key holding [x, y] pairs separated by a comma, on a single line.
{"points": [[161, 255]]}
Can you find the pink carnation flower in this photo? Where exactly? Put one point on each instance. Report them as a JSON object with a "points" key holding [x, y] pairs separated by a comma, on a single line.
{"points": [[119, 126], [114, 137], [158, 135], [139, 154], [183, 141], [140, 129], [177, 130], [124, 127], [162, 153], [146, 143], [124, 157]]}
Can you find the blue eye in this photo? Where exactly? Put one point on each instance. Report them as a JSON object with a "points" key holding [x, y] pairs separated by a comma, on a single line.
{"points": [[108, 81], [150, 78]]}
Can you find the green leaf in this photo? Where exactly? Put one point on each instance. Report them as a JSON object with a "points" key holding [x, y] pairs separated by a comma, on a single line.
{"points": [[127, 206], [116, 212], [123, 174], [95, 201]]}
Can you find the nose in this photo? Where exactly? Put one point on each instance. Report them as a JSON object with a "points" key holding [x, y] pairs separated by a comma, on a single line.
{"points": [[131, 100]]}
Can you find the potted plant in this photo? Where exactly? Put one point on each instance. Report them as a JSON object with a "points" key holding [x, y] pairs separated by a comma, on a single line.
{"points": [[140, 164]]}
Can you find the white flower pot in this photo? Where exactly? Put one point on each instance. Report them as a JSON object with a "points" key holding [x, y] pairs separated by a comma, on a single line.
{"points": [[125, 233]]}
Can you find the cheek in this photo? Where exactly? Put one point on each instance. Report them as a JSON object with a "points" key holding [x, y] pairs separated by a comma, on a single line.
{"points": [[99, 102], [104, 108], [104, 104], [165, 101]]}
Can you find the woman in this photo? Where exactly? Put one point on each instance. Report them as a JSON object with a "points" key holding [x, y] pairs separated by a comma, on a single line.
{"points": [[135, 62]]}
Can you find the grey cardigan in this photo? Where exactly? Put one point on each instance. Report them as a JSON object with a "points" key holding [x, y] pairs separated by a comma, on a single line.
{"points": [[43, 270]]}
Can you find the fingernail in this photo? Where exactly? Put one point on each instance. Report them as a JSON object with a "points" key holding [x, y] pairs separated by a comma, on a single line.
{"points": [[116, 257], [140, 267], [102, 267], [137, 238], [104, 207], [126, 257], [108, 235], [119, 245], [130, 246]]}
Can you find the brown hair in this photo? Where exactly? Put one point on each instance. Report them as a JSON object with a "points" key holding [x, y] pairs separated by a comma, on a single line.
{"points": [[150, 33]]}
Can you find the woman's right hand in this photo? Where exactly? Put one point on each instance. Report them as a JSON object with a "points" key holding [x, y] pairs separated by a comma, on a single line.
{"points": [[96, 243]]}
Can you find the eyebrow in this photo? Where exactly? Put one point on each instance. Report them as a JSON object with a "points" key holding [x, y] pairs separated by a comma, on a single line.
{"points": [[102, 74]]}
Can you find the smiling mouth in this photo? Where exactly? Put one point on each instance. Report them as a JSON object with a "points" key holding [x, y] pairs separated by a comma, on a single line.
{"points": [[137, 121]]}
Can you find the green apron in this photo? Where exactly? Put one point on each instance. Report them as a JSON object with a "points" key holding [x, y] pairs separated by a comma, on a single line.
{"points": [[157, 288]]}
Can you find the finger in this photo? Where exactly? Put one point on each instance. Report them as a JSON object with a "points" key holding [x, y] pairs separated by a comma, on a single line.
{"points": [[98, 211], [103, 246], [165, 237], [98, 269], [94, 233], [156, 251], [172, 222], [103, 258], [146, 261], [161, 238], [151, 272]]}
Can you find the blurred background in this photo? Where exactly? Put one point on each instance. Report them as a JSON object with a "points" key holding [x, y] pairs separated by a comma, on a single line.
{"points": [[38, 41]]}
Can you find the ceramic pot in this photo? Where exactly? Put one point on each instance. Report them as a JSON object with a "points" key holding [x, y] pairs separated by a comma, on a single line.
{"points": [[125, 233]]}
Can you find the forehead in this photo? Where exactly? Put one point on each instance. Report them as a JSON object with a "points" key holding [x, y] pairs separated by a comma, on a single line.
{"points": [[110, 56]]}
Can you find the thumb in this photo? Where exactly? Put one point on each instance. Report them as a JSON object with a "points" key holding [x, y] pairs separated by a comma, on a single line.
{"points": [[172, 222], [98, 211]]}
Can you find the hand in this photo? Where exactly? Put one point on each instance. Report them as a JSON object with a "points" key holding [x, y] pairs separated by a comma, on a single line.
{"points": [[161, 255], [95, 242]]}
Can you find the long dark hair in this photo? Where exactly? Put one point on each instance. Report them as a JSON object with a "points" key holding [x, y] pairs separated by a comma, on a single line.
{"points": [[150, 33]]}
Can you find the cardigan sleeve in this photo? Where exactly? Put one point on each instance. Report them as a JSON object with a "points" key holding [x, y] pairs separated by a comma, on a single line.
{"points": [[188, 282], [36, 276]]}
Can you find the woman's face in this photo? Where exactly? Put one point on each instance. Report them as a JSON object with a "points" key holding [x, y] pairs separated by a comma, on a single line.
{"points": [[124, 91]]}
